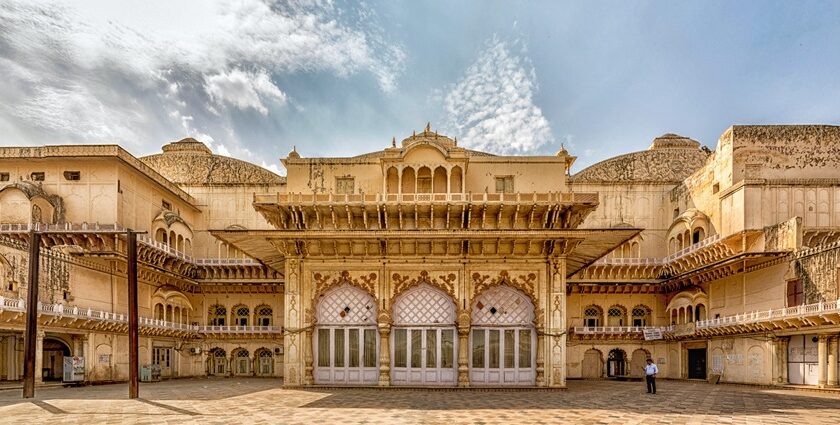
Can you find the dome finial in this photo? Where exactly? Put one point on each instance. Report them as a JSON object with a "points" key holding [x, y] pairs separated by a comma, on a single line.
{"points": [[428, 126], [394, 141], [294, 153]]}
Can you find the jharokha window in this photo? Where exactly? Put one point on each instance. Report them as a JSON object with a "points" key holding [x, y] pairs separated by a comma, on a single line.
{"points": [[592, 316], [641, 316], [263, 315], [616, 316], [240, 315], [216, 315]]}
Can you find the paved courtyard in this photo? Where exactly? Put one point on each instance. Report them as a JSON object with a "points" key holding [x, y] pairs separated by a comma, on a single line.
{"points": [[210, 401]]}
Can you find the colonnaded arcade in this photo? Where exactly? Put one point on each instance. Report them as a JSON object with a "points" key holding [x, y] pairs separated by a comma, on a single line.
{"points": [[429, 264]]}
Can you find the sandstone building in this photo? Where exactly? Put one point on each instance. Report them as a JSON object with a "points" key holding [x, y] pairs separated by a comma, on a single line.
{"points": [[429, 264]]}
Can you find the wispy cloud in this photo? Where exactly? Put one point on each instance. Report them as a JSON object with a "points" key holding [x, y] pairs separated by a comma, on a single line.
{"points": [[73, 77], [492, 106]]}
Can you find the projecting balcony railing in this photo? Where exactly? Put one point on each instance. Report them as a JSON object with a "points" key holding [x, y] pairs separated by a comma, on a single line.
{"points": [[821, 308], [519, 197], [143, 239], [616, 330], [652, 261], [62, 310]]}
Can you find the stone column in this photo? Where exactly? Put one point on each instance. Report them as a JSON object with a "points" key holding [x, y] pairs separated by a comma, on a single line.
{"points": [[832, 361], [464, 321], [39, 357], [384, 354], [779, 366], [822, 358], [553, 345], [308, 359], [293, 339]]}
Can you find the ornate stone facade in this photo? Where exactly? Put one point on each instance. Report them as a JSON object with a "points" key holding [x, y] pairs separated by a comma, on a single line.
{"points": [[426, 263]]}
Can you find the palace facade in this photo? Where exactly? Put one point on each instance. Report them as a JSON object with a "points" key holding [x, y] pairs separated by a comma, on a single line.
{"points": [[429, 264]]}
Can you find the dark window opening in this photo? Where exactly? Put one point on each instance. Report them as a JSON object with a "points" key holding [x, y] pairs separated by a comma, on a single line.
{"points": [[795, 293], [166, 205], [4, 177], [37, 176], [716, 188], [73, 175]]}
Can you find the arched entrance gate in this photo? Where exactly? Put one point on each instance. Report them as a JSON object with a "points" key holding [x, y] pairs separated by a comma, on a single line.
{"points": [[346, 340], [424, 338], [502, 338]]}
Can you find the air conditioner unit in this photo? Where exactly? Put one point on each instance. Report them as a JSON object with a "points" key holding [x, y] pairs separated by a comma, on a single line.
{"points": [[195, 350]]}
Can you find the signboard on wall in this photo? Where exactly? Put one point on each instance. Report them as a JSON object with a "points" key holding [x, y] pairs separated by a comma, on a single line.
{"points": [[652, 334]]}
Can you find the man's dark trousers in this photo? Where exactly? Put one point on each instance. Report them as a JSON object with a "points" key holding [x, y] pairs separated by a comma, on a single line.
{"points": [[651, 383]]}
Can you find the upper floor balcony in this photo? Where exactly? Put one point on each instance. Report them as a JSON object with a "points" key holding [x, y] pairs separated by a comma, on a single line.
{"points": [[92, 319], [412, 211]]}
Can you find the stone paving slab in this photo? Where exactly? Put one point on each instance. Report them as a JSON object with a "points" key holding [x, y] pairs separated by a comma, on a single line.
{"points": [[264, 401]]}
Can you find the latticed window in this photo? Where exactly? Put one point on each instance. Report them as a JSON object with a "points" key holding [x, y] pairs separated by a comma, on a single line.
{"points": [[592, 316], [263, 315], [615, 316], [240, 315], [641, 316], [216, 315]]}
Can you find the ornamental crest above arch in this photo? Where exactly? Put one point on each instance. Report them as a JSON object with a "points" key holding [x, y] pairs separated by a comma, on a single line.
{"points": [[525, 282], [324, 282], [445, 282]]}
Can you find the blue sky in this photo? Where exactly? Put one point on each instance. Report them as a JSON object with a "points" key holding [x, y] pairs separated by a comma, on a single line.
{"points": [[252, 78]]}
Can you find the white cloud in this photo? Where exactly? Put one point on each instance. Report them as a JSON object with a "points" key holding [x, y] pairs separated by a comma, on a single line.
{"points": [[243, 89], [492, 107], [105, 72]]}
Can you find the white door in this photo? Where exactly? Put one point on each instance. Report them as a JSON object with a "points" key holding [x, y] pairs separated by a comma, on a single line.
{"points": [[502, 356], [424, 356], [346, 355]]}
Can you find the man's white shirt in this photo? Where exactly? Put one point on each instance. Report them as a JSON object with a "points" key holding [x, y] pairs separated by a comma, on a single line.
{"points": [[651, 369]]}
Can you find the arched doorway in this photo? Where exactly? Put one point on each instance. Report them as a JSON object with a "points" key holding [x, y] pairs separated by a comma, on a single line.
{"points": [[217, 362], [347, 341], [592, 366], [265, 362], [55, 350], [424, 338], [616, 363], [638, 362], [241, 362], [502, 338]]}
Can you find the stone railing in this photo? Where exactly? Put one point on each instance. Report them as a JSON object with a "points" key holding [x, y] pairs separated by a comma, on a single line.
{"points": [[596, 330], [652, 261], [308, 198], [61, 310], [832, 307]]}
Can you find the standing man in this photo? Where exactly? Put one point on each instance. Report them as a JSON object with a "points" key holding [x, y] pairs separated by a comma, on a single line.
{"points": [[650, 376]]}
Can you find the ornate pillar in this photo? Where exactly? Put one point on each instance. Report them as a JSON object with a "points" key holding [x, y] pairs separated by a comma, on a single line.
{"points": [[832, 361], [822, 359], [293, 338], [384, 351], [308, 366], [399, 180], [463, 348], [553, 346], [448, 181]]}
